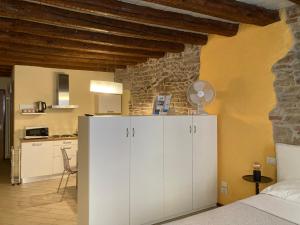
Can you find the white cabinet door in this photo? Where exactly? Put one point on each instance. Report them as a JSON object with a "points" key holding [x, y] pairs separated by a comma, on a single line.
{"points": [[205, 161], [58, 165], [178, 165], [146, 169], [109, 167], [71, 149], [36, 159]]}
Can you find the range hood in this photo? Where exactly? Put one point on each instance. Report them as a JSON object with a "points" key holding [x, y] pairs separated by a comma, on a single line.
{"points": [[62, 93]]}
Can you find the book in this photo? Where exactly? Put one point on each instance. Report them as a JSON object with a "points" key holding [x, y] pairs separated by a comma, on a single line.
{"points": [[162, 104]]}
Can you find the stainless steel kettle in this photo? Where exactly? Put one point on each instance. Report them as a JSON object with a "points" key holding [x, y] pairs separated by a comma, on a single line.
{"points": [[41, 106]]}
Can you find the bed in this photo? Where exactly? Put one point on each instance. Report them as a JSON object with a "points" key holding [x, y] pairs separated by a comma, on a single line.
{"points": [[278, 204]]}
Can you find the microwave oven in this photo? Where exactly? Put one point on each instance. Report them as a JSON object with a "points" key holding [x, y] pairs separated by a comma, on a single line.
{"points": [[36, 132]]}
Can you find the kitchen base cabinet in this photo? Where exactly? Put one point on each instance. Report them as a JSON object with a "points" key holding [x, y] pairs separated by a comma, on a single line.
{"points": [[145, 169], [36, 159], [43, 160]]}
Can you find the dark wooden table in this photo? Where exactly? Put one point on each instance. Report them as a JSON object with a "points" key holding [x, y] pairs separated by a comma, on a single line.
{"points": [[264, 180]]}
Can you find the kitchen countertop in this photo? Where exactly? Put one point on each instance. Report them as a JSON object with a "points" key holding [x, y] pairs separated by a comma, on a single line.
{"points": [[48, 139]]}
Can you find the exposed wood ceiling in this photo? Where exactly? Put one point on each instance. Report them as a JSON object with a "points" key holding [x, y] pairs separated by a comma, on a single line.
{"points": [[229, 10], [5, 70], [109, 34]]}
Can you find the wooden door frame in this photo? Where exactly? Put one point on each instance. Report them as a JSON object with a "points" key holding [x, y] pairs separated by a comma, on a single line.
{"points": [[12, 112], [3, 95]]}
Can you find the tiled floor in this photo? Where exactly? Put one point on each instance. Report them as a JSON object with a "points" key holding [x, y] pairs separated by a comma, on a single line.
{"points": [[36, 203]]}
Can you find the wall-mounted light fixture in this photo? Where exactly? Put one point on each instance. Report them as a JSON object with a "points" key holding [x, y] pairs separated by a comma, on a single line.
{"points": [[106, 87]]}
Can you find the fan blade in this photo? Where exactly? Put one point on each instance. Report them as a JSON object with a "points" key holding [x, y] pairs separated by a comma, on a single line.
{"points": [[195, 99], [209, 95], [199, 85]]}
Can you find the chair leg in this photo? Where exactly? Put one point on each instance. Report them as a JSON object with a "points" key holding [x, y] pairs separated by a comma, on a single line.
{"points": [[61, 179], [66, 185]]}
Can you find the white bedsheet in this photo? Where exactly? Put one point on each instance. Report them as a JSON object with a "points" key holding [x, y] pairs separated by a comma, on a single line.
{"points": [[284, 209]]}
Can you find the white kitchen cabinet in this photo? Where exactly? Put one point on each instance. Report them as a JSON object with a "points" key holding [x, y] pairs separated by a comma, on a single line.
{"points": [[44, 158], [36, 159], [108, 104], [108, 172], [146, 177], [58, 165], [205, 161], [178, 165], [71, 147], [145, 169]]}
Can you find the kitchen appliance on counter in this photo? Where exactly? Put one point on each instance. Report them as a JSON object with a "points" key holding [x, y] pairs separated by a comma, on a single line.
{"points": [[36, 132], [41, 106]]}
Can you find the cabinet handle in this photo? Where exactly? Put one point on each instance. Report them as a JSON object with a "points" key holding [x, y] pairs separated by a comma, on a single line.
{"points": [[190, 129], [127, 132], [133, 132], [36, 144], [195, 129]]}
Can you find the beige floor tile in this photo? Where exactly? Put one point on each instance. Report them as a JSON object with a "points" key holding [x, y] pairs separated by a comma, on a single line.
{"points": [[36, 203]]}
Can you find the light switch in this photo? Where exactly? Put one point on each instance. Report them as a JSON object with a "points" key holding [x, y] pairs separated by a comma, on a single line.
{"points": [[224, 187]]}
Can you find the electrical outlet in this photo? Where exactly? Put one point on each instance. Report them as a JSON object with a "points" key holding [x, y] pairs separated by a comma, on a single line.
{"points": [[224, 187], [271, 160]]}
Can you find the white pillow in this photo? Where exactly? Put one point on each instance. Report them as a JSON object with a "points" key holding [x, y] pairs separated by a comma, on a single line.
{"points": [[288, 190]]}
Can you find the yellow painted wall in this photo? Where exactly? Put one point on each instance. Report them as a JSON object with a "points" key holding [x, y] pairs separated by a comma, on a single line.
{"points": [[239, 68], [39, 84]]}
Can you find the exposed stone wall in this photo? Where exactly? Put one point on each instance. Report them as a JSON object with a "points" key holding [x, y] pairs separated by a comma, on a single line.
{"points": [[171, 74], [286, 115]]}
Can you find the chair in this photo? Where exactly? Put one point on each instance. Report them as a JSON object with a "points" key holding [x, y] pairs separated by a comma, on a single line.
{"points": [[67, 169]]}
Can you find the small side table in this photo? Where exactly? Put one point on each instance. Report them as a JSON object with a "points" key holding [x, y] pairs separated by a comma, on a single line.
{"points": [[264, 180]]}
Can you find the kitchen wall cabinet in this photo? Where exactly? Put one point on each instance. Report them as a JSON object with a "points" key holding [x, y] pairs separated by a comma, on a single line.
{"points": [[44, 158], [145, 169], [108, 104]]}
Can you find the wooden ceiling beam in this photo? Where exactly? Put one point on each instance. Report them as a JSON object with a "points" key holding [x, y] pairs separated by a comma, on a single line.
{"points": [[6, 68], [30, 62], [87, 36], [146, 15], [49, 15], [295, 1], [47, 57], [33, 61], [5, 74], [28, 48], [58, 60], [226, 9], [22, 38], [4, 71]]}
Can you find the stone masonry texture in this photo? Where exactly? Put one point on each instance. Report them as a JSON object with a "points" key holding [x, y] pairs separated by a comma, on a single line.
{"points": [[171, 74], [286, 115]]}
